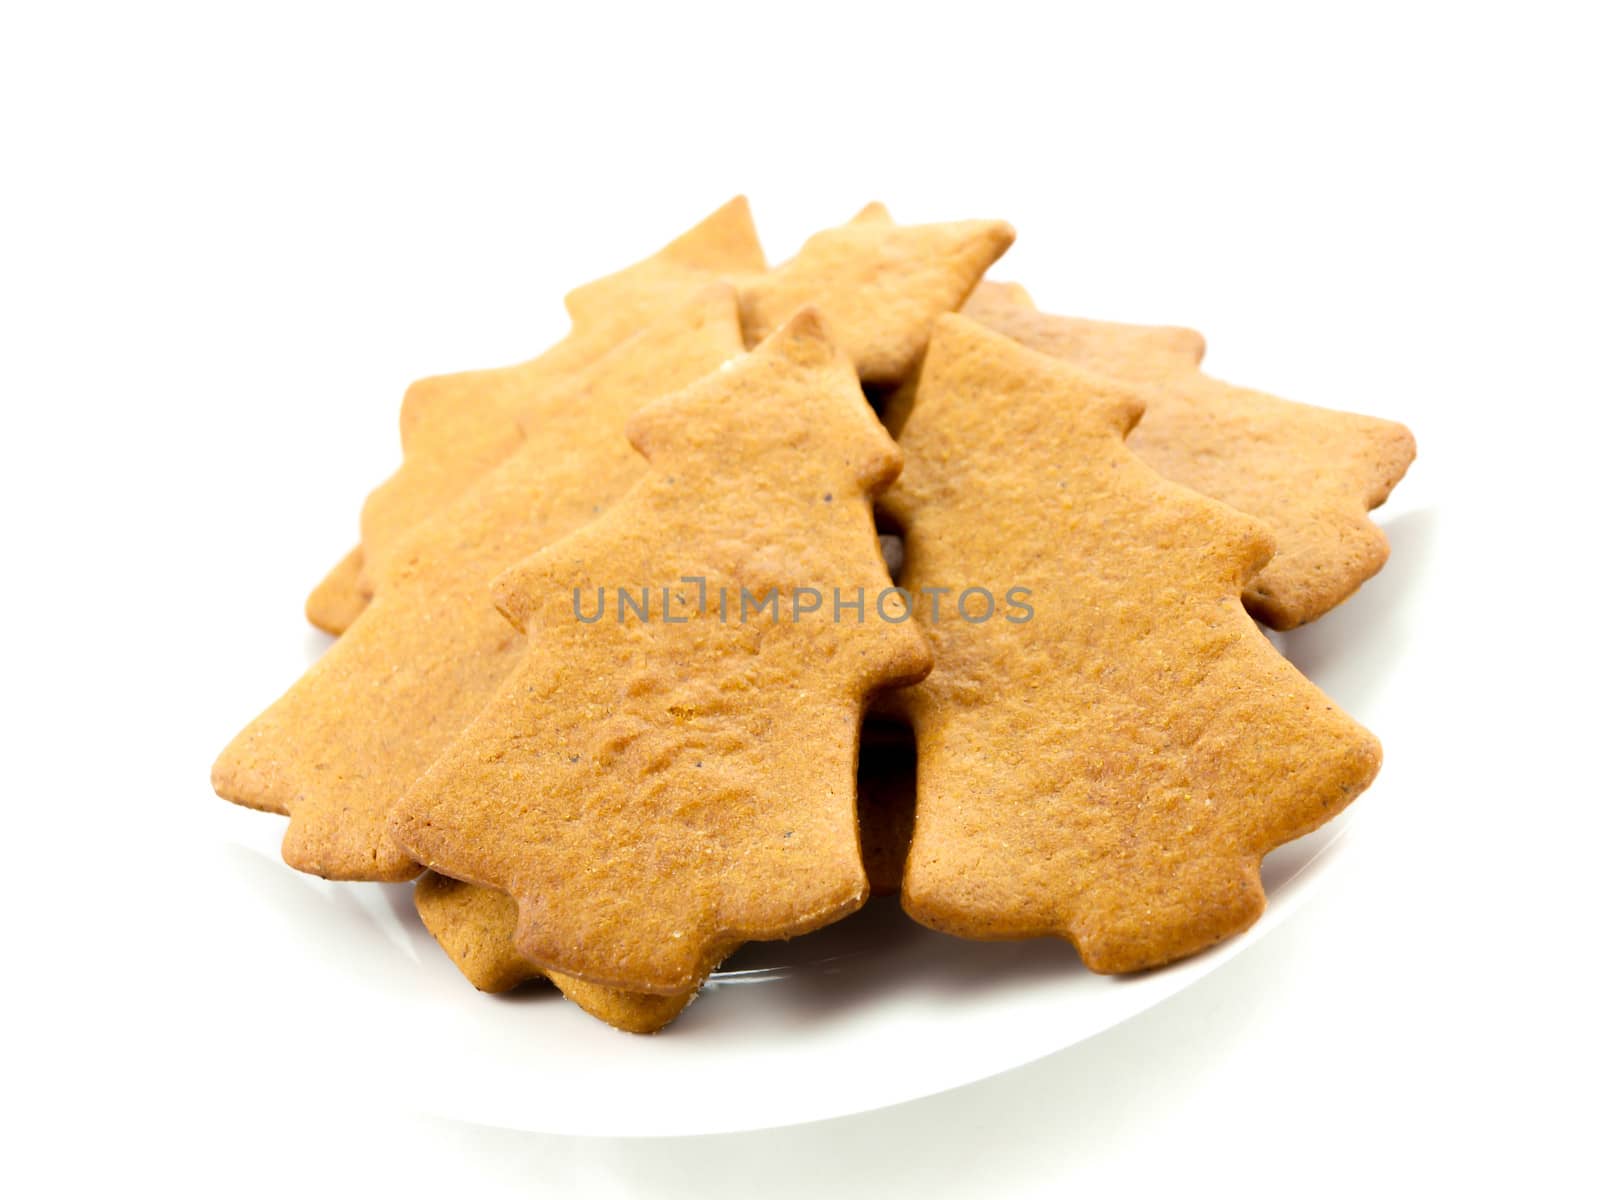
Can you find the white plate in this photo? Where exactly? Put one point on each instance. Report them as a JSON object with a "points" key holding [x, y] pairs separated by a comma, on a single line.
{"points": [[870, 1012]]}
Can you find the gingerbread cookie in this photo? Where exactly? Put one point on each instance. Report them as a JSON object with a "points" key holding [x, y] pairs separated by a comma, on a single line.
{"points": [[880, 286], [659, 782], [454, 428], [1309, 474], [475, 926], [1106, 346], [350, 736], [339, 598], [1108, 745]]}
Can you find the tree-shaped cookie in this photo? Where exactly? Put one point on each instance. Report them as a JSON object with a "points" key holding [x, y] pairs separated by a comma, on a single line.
{"points": [[880, 286], [1109, 347], [454, 428], [1309, 474], [349, 737], [661, 780], [1106, 751], [477, 926]]}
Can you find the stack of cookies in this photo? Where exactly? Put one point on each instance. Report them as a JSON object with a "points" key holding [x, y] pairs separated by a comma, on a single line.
{"points": [[671, 639]]}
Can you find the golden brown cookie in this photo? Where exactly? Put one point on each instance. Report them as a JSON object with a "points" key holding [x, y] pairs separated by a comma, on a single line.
{"points": [[339, 598], [657, 783], [1108, 745], [475, 925], [1106, 346], [454, 428], [1309, 474], [349, 737], [995, 291], [1109, 347], [880, 286]]}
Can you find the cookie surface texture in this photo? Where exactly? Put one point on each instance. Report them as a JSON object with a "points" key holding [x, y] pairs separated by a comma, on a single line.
{"points": [[477, 927], [1108, 754], [654, 786], [1311, 475]]}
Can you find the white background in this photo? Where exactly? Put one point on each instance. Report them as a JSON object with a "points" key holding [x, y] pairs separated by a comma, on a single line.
{"points": [[231, 238]]}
